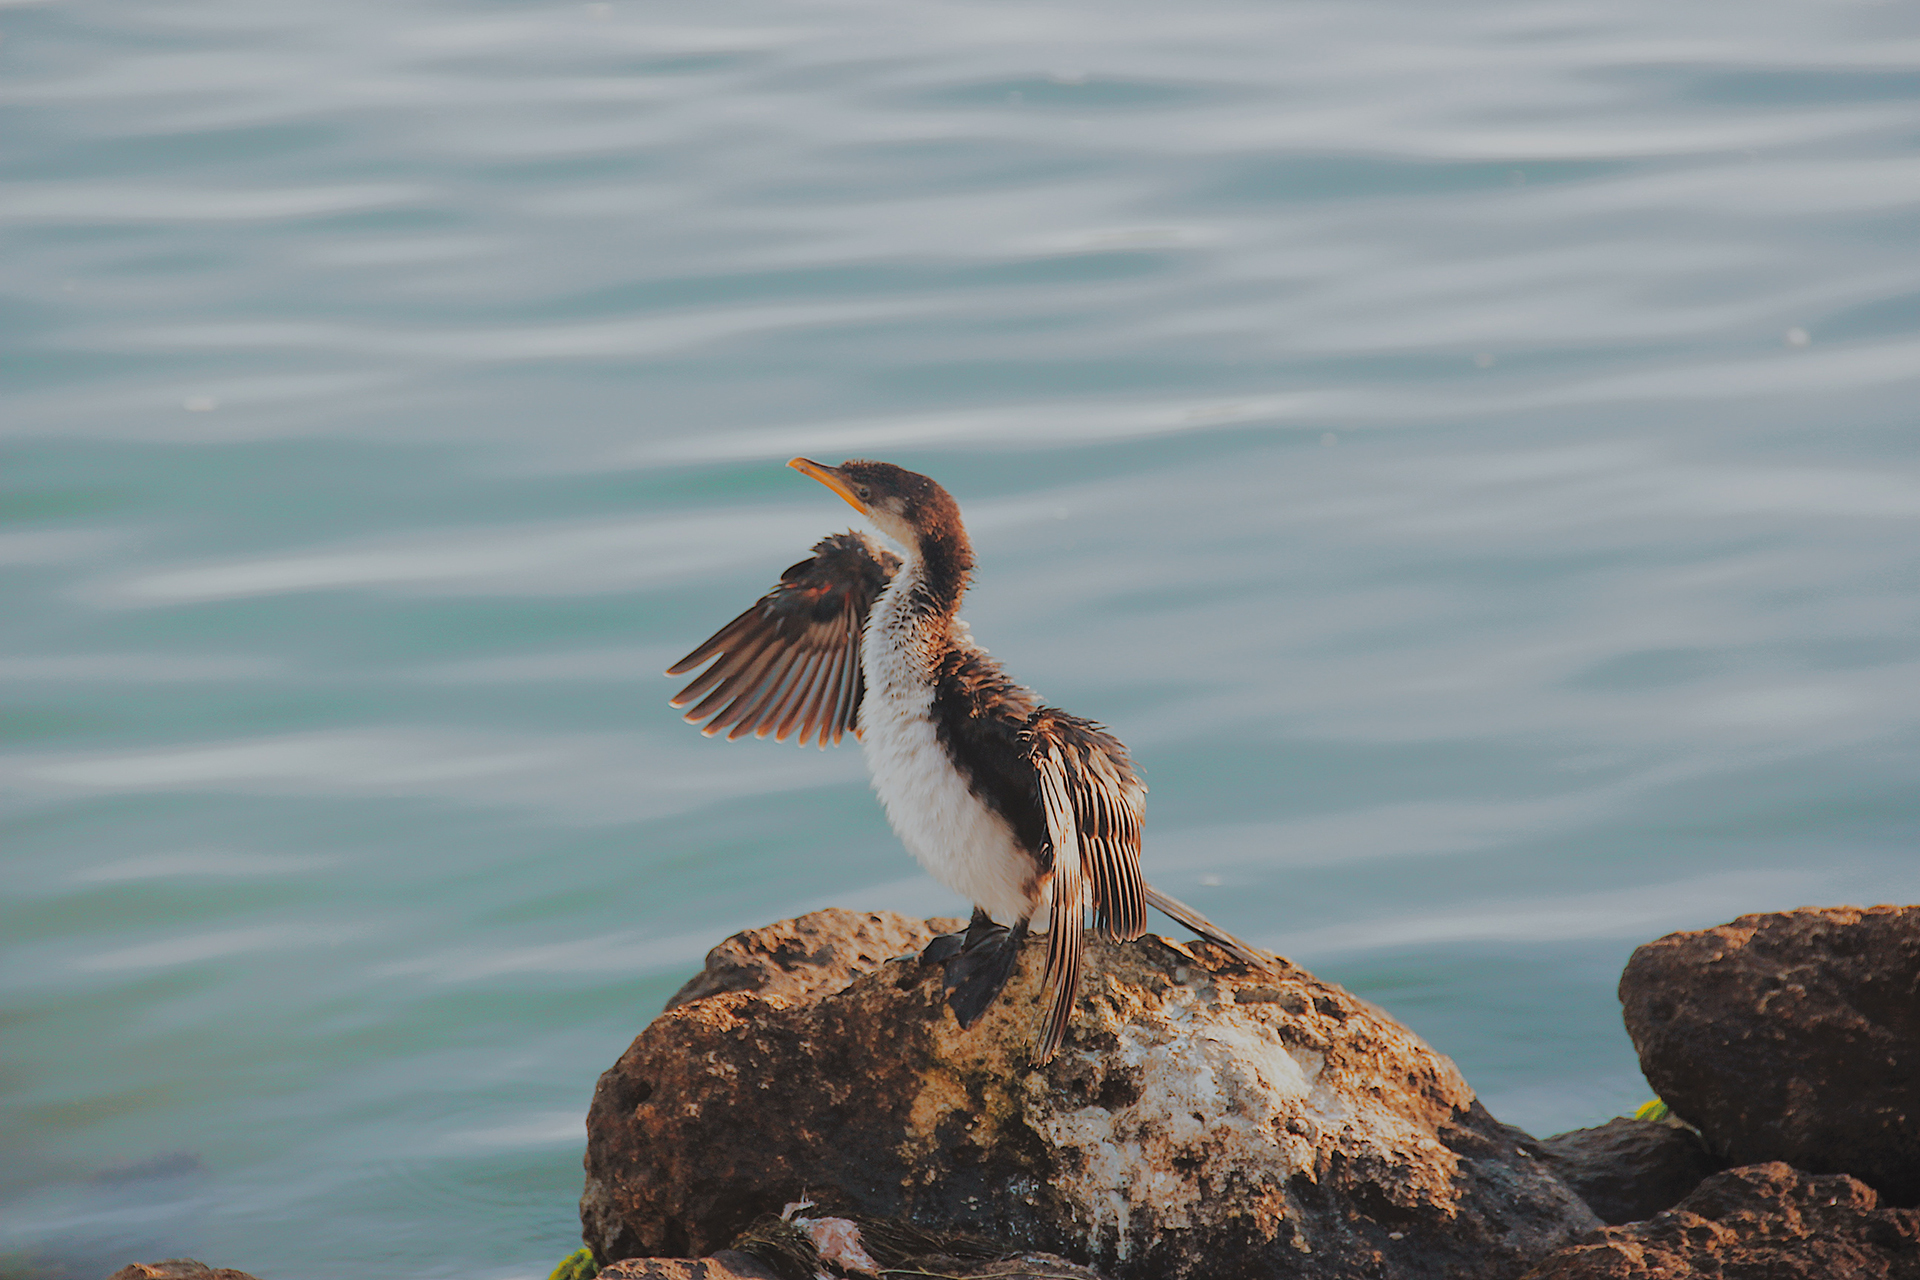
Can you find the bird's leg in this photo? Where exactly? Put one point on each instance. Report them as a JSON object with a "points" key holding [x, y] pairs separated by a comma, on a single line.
{"points": [[976, 975], [946, 946]]}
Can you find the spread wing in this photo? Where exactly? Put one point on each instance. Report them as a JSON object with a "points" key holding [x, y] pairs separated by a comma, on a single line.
{"points": [[793, 659], [1093, 802]]}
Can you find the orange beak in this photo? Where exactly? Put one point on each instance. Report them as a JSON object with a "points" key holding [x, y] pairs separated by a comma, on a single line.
{"points": [[830, 477]]}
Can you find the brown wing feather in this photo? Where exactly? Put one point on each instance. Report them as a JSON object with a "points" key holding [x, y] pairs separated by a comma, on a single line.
{"points": [[1109, 804], [1066, 921], [1093, 802], [792, 661]]}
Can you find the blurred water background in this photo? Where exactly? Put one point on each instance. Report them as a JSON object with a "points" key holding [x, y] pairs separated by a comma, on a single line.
{"points": [[1467, 450]]}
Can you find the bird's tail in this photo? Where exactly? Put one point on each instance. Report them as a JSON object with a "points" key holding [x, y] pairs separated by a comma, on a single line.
{"points": [[1186, 915]]}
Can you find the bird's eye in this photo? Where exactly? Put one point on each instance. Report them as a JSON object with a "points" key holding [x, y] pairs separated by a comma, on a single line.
{"points": [[864, 493]]}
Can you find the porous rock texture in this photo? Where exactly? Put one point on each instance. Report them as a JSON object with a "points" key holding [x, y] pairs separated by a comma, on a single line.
{"points": [[822, 951], [1759, 1222], [1204, 1119], [1629, 1169], [1790, 1036], [177, 1269]]}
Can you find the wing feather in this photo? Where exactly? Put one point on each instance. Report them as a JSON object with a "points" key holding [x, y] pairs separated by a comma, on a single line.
{"points": [[1093, 802], [782, 679], [801, 692], [737, 684], [846, 711], [1066, 922], [792, 661]]}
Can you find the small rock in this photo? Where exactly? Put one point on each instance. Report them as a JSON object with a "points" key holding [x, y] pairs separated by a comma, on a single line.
{"points": [[725, 1265], [1790, 1036], [1759, 1222], [1028, 1266], [1627, 1169], [1180, 1133], [816, 954], [730, 1264], [177, 1269]]}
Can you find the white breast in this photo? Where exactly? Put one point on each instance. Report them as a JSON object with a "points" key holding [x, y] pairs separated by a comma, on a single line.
{"points": [[959, 840]]}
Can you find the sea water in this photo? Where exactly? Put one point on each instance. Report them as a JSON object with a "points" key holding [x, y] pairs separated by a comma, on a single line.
{"points": [[1467, 451]]}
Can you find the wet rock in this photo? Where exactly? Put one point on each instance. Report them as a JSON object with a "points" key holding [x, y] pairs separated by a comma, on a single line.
{"points": [[819, 952], [1759, 1222], [176, 1269], [1629, 1169], [1203, 1119], [1790, 1036]]}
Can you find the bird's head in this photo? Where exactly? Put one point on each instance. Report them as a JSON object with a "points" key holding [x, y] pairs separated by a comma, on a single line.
{"points": [[904, 505]]}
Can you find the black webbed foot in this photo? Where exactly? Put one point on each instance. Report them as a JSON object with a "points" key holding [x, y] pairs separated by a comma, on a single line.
{"points": [[977, 974], [946, 946]]}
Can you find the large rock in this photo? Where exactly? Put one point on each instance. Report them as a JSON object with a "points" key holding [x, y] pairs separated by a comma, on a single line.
{"points": [[177, 1269], [1204, 1119], [1629, 1169], [1793, 1036], [1760, 1222]]}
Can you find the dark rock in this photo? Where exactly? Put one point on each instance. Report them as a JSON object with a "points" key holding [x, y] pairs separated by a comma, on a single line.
{"points": [[725, 1265], [1180, 1133], [817, 953], [177, 1269], [1760, 1222], [1792, 1036], [1629, 1169], [1028, 1266]]}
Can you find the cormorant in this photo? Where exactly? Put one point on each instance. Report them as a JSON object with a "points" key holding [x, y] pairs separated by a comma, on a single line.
{"points": [[1012, 804]]}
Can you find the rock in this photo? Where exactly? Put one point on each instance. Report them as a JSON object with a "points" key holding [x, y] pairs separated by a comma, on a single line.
{"points": [[819, 952], [725, 1265], [1792, 1036], [1760, 1222], [177, 1269], [731, 1265], [1629, 1169], [1204, 1119], [1028, 1266]]}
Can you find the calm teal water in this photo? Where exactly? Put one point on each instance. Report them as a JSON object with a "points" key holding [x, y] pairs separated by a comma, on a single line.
{"points": [[1467, 450]]}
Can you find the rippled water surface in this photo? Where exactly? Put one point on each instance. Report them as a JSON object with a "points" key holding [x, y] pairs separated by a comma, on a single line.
{"points": [[1467, 450]]}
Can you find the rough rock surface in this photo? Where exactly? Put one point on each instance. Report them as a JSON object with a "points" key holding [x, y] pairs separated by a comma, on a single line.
{"points": [[177, 1269], [1629, 1169], [1760, 1222], [819, 952], [1204, 1119], [1791, 1036]]}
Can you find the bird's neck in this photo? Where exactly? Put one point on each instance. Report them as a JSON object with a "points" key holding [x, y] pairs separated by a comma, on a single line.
{"points": [[944, 563], [913, 623]]}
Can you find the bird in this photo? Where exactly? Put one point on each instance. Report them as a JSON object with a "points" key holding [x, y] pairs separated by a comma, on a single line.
{"points": [[1013, 804]]}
